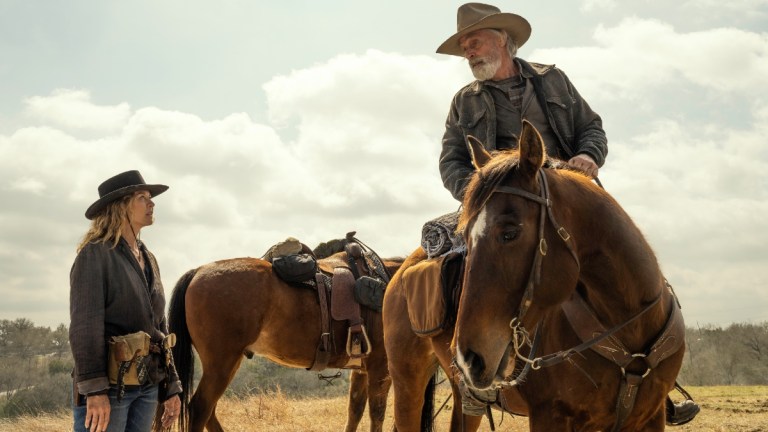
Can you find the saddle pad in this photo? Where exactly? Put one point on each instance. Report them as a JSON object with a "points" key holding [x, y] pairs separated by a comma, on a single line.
{"points": [[424, 295], [343, 304]]}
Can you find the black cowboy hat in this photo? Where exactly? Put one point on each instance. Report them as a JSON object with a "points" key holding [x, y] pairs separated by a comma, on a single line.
{"points": [[119, 186]]}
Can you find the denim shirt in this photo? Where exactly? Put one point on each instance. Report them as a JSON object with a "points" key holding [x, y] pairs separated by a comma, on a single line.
{"points": [[578, 129], [111, 296]]}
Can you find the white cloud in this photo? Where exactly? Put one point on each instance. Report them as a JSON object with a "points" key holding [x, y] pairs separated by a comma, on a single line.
{"points": [[73, 109], [642, 55], [363, 157], [376, 87], [755, 8], [354, 145], [700, 197], [367, 124], [28, 184]]}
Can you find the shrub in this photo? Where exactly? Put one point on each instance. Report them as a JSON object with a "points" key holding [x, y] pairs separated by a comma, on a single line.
{"points": [[53, 395]]}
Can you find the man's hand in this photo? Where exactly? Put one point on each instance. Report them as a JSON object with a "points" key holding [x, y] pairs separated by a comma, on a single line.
{"points": [[171, 409], [585, 164], [97, 413]]}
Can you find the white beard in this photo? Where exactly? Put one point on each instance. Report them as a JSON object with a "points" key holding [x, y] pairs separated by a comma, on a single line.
{"points": [[487, 68]]}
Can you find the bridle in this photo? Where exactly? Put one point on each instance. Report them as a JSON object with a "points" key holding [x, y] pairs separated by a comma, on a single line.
{"points": [[534, 277], [666, 343], [520, 335]]}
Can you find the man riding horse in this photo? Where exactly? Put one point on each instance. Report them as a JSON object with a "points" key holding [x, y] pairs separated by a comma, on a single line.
{"points": [[508, 90]]}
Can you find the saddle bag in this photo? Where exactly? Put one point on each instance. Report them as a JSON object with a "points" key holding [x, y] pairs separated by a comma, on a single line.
{"points": [[426, 304], [369, 292], [130, 354], [432, 290], [295, 267]]}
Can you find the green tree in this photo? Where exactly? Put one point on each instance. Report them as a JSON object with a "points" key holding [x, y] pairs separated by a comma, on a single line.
{"points": [[60, 341]]}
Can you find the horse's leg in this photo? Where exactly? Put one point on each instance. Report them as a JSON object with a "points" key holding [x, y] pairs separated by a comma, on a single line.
{"points": [[358, 395], [378, 391], [409, 397], [218, 371], [411, 366]]}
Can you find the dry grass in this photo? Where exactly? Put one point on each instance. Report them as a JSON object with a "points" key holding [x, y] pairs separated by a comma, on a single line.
{"points": [[724, 409]]}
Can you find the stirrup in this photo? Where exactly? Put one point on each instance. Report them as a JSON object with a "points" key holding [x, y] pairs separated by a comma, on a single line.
{"points": [[684, 412]]}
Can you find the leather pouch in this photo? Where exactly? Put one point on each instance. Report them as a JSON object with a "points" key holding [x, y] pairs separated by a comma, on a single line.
{"points": [[133, 349]]}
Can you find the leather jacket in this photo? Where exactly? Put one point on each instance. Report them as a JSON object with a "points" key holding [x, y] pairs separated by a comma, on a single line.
{"points": [[578, 129]]}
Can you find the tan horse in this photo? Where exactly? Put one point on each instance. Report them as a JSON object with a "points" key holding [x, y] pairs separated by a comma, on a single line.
{"points": [[413, 361], [564, 317], [238, 308]]}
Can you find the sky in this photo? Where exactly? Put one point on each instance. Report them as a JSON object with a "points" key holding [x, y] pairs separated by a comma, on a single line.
{"points": [[311, 119]]}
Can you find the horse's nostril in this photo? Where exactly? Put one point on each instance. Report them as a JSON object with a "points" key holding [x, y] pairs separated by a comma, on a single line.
{"points": [[473, 361]]}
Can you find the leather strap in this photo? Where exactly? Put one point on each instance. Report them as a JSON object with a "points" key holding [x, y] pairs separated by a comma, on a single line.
{"points": [[586, 325], [589, 329], [323, 351], [626, 400], [671, 338]]}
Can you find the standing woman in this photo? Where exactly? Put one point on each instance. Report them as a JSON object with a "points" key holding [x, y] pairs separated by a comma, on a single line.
{"points": [[118, 331]]}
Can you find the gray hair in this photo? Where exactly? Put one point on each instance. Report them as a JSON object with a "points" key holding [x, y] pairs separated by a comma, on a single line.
{"points": [[511, 45]]}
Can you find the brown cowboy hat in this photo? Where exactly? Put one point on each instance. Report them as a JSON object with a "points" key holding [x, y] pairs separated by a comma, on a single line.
{"points": [[476, 16], [119, 186]]}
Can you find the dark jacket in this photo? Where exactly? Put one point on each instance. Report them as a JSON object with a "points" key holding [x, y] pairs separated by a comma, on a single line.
{"points": [[111, 296], [579, 129]]}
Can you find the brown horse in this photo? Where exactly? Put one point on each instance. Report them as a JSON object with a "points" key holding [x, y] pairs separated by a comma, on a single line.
{"points": [[413, 361], [238, 308], [552, 261]]}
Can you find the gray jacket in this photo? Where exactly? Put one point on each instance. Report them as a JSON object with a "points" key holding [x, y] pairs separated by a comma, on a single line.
{"points": [[111, 296], [579, 130]]}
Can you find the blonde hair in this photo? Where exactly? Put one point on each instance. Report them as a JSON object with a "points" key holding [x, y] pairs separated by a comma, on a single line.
{"points": [[108, 225]]}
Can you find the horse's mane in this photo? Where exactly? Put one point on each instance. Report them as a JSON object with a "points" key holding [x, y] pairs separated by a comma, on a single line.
{"points": [[485, 180]]}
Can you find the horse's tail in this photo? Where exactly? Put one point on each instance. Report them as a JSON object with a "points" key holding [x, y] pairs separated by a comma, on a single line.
{"points": [[428, 409], [182, 352]]}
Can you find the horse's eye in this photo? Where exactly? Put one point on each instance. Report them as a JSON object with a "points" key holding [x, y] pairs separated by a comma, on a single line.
{"points": [[509, 235]]}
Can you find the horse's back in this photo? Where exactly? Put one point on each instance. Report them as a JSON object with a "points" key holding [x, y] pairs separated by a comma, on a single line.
{"points": [[230, 302]]}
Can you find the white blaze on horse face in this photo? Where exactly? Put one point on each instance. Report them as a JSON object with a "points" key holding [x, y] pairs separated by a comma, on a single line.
{"points": [[478, 229]]}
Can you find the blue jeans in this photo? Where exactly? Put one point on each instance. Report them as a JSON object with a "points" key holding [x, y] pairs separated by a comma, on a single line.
{"points": [[134, 413]]}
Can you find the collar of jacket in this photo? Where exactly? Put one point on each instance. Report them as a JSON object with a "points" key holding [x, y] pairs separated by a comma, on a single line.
{"points": [[128, 254], [528, 70]]}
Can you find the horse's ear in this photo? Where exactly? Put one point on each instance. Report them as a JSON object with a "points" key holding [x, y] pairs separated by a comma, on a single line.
{"points": [[532, 150], [480, 156]]}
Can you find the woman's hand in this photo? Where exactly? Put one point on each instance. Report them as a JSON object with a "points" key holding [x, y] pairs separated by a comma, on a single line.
{"points": [[171, 408], [97, 412]]}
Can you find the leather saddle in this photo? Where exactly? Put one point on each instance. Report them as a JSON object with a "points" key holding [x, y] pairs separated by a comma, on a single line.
{"points": [[335, 282]]}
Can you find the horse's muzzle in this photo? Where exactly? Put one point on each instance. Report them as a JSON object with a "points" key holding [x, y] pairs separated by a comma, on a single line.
{"points": [[477, 373]]}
